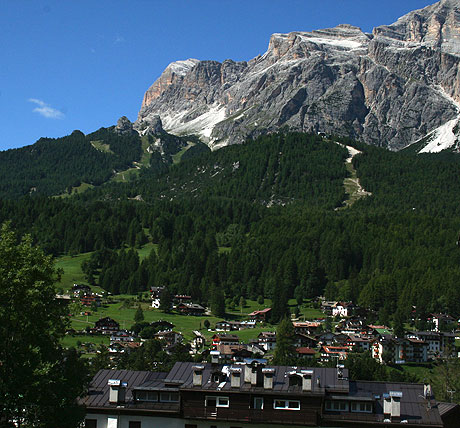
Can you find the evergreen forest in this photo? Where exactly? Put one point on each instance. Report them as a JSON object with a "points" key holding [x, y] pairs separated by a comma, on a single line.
{"points": [[261, 219]]}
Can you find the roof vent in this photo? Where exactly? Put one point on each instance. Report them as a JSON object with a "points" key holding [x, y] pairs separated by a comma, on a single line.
{"points": [[235, 377], [117, 391], [268, 377], [197, 375], [307, 376]]}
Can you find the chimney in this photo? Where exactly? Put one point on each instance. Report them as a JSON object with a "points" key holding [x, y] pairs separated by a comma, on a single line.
{"points": [[386, 404], [215, 357], [395, 404], [198, 375], [235, 377], [250, 373], [307, 376], [268, 373], [117, 391]]}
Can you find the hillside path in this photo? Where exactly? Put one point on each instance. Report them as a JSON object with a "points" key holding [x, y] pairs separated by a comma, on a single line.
{"points": [[353, 187]]}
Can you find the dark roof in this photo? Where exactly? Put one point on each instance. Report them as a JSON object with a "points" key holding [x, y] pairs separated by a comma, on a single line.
{"points": [[98, 395], [183, 373]]}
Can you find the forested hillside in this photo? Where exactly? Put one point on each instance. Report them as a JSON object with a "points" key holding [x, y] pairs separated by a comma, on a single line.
{"points": [[52, 166], [260, 219]]}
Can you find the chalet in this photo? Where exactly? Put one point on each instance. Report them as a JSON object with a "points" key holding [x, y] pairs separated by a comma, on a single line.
{"points": [[90, 299], [342, 309], [253, 394], [170, 337], [327, 307], [305, 352], [122, 336], [198, 342], [359, 343], [78, 289], [438, 342], [302, 340], [442, 322], [193, 309], [106, 326], [306, 327], [329, 352], [267, 340], [400, 350], [260, 316], [162, 325], [225, 339], [155, 295], [182, 298]]}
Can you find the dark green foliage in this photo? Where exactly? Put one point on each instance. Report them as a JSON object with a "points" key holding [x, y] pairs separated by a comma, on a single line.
{"points": [[139, 315], [53, 166], [39, 381], [284, 350]]}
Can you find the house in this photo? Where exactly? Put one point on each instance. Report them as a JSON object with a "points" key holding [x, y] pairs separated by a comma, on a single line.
{"points": [[155, 295], [327, 307], [162, 325], [327, 353], [441, 322], [306, 327], [106, 326], [78, 289], [198, 342], [122, 336], [305, 352], [399, 350], [438, 342], [226, 339], [342, 309], [267, 340], [90, 299], [193, 309], [170, 337], [254, 394], [260, 316], [302, 340]]}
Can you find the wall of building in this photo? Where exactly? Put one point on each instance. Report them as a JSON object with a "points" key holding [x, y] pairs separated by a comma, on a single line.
{"points": [[122, 421]]}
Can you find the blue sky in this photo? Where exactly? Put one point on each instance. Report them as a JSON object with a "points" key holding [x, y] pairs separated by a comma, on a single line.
{"points": [[78, 64]]}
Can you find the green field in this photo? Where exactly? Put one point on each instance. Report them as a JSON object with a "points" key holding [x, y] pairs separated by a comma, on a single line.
{"points": [[71, 266]]}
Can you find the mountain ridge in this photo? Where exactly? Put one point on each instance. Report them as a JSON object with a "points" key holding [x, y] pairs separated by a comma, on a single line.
{"points": [[390, 88]]}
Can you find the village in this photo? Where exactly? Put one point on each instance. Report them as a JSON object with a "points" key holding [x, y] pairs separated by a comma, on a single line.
{"points": [[340, 330]]}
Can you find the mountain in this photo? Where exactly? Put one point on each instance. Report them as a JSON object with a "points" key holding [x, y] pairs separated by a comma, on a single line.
{"points": [[392, 88]]}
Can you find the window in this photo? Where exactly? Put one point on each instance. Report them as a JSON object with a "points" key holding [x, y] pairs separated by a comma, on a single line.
{"points": [[217, 401], [134, 424], [90, 423], [295, 380], [286, 404], [361, 407], [258, 403], [147, 396], [337, 406], [169, 397]]}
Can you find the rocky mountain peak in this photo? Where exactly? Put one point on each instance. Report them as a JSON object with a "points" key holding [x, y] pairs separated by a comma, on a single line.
{"points": [[124, 126], [390, 88], [435, 26]]}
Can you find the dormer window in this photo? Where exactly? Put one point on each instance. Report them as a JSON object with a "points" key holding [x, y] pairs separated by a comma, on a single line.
{"points": [[295, 380], [151, 396]]}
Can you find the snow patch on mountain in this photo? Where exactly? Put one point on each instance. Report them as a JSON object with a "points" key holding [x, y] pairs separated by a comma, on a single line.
{"points": [[201, 125], [442, 138]]}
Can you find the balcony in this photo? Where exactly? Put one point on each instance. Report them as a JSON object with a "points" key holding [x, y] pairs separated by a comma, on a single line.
{"points": [[267, 416]]}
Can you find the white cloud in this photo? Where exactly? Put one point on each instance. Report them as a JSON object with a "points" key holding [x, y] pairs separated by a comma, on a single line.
{"points": [[46, 110], [119, 39]]}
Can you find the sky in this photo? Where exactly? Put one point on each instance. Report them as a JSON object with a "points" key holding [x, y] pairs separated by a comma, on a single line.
{"points": [[80, 64]]}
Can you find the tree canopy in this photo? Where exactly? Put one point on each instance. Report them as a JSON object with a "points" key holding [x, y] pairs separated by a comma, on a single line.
{"points": [[39, 381]]}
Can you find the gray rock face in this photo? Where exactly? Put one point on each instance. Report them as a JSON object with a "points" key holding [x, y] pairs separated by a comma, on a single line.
{"points": [[389, 88], [124, 126]]}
